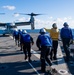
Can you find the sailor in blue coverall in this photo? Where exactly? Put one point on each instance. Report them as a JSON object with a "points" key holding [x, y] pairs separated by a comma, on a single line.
{"points": [[45, 42]]}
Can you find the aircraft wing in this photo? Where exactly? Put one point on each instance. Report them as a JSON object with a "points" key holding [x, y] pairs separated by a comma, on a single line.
{"points": [[2, 24], [22, 23]]}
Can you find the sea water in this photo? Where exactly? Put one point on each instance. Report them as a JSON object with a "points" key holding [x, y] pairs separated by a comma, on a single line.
{"points": [[33, 31], [37, 31]]}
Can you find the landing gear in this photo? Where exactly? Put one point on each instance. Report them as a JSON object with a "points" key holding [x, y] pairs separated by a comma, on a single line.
{"points": [[3, 34]]}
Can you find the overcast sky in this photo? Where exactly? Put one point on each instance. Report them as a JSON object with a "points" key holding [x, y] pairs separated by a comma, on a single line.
{"points": [[58, 11]]}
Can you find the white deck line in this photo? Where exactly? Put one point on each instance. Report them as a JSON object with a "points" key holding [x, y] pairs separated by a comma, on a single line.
{"points": [[34, 68], [62, 65], [30, 64]]}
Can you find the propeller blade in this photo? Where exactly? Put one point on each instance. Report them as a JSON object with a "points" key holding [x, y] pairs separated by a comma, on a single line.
{"points": [[32, 14], [20, 13]]}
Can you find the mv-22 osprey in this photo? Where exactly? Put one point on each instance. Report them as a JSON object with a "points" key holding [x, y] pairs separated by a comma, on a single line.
{"points": [[11, 26]]}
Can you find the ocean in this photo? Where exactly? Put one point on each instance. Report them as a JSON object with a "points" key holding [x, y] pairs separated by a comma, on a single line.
{"points": [[33, 31], [37, 31]]}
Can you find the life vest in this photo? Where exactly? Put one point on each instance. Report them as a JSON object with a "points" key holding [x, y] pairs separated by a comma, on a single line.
{"points": [[26, 37], [45, 40], [66, 33], [16, 33]]}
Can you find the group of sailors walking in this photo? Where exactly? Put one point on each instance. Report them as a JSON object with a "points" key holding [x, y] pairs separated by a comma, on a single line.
{"points": [[47, 43], [24, 40]]}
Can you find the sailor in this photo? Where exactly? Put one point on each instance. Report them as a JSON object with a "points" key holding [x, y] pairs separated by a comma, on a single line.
{"points": [[16, 36], [54, 33], [67, 38], [45, 42], [27, 41], [20, 41]]}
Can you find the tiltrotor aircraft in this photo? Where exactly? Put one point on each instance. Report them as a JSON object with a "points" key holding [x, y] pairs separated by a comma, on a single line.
{"points": [[9, 27]]}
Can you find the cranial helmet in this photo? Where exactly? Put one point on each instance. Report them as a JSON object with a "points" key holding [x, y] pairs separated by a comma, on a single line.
{"points": [[42, 30], [16, 29], [24, 31], [65, 24], [54, 25], [20, 30]]}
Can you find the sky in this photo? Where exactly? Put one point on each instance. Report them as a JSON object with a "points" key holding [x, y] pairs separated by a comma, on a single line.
{"points": [[53, 11]]}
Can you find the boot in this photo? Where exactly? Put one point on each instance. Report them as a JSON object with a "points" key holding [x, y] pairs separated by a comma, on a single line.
{"points": [[29, 59], [25, 57]]}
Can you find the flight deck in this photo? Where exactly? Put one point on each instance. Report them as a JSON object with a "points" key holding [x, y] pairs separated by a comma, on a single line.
{"points": [[12, 59]]}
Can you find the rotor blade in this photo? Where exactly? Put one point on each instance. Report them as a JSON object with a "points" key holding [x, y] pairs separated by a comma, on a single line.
{"points": [[32, 14], [20, 13]]}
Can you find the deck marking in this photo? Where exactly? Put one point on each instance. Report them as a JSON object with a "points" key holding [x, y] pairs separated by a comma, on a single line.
{"points": [[33, 68], [38, 55], [61, 71], [11, 37], [31, 64], [54, 65]]}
